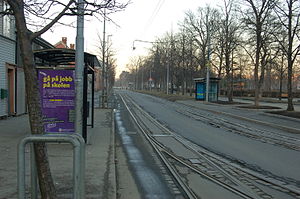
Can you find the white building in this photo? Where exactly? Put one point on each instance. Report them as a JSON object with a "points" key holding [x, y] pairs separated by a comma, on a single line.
{"points": [[7, 63], [12, 82]]}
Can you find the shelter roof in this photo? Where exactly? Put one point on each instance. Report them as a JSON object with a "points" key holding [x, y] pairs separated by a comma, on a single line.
{"points": [[62, 56], [200, 79]]}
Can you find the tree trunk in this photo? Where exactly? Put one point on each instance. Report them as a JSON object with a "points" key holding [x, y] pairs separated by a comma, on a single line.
{"points": [[280, 86], [229, 78], [229, 86], [257, 61], [192, 82], [34, 106], [290, 106]]}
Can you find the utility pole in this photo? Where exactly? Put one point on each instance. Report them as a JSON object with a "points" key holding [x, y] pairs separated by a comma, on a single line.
{"points": [[135, 78], [183, 65], [168, 75], [207, 77], [142, 77], [208, 63], [107, 66], [150, 80], [168, 67], [106, 72], [79, 67], [103, 63], [191, 65], [172, 47]]}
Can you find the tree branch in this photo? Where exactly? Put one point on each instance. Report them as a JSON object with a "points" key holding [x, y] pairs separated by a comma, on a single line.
{"points": [[49, 25]]}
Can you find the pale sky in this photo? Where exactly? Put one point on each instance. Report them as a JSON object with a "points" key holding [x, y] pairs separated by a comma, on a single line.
{"points": [[142, 20]]}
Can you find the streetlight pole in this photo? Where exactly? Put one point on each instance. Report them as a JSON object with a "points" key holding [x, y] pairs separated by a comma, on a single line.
{"points": [[107, 65], [207, 68], [142, 78], [103, 62], [168, 66], [168, 74], [207, 82], [79, 66]]}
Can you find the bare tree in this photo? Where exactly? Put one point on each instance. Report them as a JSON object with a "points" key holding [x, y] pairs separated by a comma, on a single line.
{"points": [[257, 18], [203, 25], [133, 67], [111, 72], [23, 12], [228, 37], [110, 61], [280, 68], [288, 14]]}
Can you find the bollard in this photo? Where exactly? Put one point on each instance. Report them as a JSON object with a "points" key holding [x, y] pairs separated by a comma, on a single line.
{"points": [[33, 178], [78, 162]]}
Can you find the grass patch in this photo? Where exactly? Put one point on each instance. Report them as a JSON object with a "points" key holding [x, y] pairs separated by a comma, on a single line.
{"points": [[170, 97], [227, 102], [259, 107], [294, 114]]}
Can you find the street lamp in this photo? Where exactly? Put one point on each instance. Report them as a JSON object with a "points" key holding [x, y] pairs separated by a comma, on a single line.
{"points": [[103, 62], [107, 65], [207, 68], [168, 67], [79, 64], [150, 72]]}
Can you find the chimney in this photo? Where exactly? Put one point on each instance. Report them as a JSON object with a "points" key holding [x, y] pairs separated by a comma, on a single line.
{"points": [[64, 40], [72, 46]]}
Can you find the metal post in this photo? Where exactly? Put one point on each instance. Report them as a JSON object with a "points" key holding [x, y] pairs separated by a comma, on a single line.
{"points": [[107, 67], [33, 174], [103, 62], [168, 74], [172, 45], [207, 69], [150, 80], [142, 78], [79, 64], [93, 97], [82, 163], [106, 71], [207, 84], [85, 103], [78, 161]]}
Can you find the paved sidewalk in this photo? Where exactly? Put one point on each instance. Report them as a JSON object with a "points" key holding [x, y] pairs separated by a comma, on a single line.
{"points": [[100, 179]]}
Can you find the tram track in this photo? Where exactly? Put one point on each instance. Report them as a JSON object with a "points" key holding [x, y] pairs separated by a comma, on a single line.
{"points": [[242, 129], [221, 171]]}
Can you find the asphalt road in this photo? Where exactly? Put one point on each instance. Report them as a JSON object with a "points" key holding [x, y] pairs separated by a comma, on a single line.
{"points": [[277, 161]]}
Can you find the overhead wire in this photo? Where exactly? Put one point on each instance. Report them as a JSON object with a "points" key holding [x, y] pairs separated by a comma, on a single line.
{"points": [[153, 16]]}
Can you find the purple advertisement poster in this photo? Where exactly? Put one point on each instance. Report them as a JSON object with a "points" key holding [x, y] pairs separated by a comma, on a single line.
{"points": [[57, 89]]}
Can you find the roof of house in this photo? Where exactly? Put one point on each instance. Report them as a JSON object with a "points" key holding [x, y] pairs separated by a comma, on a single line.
{"points": [[61, 44]]}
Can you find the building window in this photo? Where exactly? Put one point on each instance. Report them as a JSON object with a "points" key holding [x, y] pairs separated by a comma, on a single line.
{"points": [[8, 23]]}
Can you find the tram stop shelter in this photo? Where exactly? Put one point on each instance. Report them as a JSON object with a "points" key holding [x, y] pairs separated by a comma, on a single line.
{"points": [[62, 61], [200, 91]]}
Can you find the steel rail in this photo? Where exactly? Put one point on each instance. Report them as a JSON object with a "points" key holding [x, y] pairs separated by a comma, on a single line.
{"points": [[182, 140], [285, 128], [233, 189], [174, 173], [161, 149], [285, 141]]}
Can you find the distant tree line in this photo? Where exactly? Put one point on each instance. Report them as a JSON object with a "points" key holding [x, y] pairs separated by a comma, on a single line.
{"points": [[247, 43]]}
